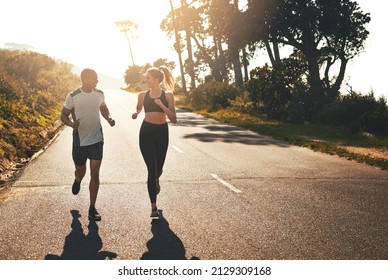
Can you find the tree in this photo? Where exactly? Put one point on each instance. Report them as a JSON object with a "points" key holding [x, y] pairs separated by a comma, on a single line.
{"points": [[178, 49], [163, 61], [257, 27], [189, 62], [128, 27], [326, 32], [234, 39], [184, 20], [133, 75]]}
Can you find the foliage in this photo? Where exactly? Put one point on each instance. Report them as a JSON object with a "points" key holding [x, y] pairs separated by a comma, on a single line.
{"points": [[134, 75], [327, 32], [281, 92], [32, 90], [359, 113], [129, 28], [242, 103], [213, 94]]}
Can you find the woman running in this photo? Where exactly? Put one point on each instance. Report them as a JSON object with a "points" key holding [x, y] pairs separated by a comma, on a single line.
{"points": [[153, 137]]}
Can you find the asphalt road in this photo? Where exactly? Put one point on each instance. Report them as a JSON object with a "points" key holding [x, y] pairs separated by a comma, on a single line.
{"points": [[227, 193]]}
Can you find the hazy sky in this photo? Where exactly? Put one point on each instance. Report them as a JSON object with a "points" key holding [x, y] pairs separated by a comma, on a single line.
{"points": [[83, 33]]}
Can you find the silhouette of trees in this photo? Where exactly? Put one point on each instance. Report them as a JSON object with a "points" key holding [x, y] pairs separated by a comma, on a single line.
{"points": [[226, 35]]}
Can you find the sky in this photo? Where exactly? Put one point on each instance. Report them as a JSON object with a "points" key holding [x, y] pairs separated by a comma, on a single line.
{"points": [[83, 33]]}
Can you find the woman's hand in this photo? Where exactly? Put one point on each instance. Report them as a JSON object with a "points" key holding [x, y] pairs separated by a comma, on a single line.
{"points": [[159, 103]]}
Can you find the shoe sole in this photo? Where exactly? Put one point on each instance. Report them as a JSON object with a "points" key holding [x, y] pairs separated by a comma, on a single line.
{"points": [[157, 217], [94, 218]]}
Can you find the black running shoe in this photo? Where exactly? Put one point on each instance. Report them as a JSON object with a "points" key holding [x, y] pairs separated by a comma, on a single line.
{"points": [[76, 187], [155, 214], [94, 215]]}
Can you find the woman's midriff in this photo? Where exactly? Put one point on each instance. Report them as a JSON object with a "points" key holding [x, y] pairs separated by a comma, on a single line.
{"points": [[155, 117]]}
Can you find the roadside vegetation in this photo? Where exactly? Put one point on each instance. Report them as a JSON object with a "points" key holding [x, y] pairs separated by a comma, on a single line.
{"points": [[32, 90], [355, 126]]}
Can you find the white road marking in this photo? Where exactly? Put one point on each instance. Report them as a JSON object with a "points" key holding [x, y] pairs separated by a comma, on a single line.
{"points": [[230, 186], [177, 149]]}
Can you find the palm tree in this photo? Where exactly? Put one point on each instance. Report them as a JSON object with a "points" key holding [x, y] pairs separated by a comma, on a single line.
{"points": [[128, 27]]}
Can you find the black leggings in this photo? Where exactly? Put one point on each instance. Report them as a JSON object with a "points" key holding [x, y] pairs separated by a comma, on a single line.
{"points": [[153, 141]]}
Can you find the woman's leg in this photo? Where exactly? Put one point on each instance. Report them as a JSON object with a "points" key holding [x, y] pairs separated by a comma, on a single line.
{"points": [[147, 148], [161, 149]]}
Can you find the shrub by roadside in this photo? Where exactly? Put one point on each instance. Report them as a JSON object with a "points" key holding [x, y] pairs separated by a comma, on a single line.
{"points": [[32, 89]]}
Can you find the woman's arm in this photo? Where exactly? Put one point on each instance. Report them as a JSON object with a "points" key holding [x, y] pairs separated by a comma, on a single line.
{"points": [[139, 106], [170, 110]]}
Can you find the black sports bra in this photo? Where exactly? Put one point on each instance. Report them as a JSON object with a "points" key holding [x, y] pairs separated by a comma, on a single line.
{"points": [[149, 103]]}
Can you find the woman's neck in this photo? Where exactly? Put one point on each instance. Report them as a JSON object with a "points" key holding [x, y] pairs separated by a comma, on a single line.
{"points": [[156, 90]]}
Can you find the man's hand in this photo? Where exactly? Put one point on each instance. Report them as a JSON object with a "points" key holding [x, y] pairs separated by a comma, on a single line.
{"points": [[76, 124], [111, 122]]}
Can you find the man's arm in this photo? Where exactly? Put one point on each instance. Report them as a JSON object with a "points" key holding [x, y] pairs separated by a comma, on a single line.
{"points": [[105, 113], [65, 118]]}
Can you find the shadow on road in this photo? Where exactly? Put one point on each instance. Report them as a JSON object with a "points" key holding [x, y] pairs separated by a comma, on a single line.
{"points": [[79, 246], [220, 132], [165, 244]]}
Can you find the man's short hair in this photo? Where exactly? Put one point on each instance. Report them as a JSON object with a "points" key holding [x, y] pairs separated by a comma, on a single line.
{"points": [[87, 72]]}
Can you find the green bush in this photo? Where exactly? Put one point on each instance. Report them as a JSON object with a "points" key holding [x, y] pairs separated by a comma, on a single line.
{"points": [[33, 87], [242, 103], [213, 94], [281, 92], [359, 113]]}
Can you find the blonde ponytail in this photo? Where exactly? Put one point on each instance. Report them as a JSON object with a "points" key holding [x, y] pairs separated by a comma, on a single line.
{"points": [[164, 75], [168, 78]]}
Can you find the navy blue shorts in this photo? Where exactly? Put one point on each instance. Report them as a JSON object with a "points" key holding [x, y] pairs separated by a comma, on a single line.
{"points": [[82, 153]]}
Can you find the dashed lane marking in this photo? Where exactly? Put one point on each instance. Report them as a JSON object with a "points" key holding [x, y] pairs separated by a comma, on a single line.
{"points": [[177, 149], [230, 186]]}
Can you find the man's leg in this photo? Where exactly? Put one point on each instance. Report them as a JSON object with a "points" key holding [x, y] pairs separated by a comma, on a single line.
{"points": [[94, 181], [79, 158], [80, 171]]}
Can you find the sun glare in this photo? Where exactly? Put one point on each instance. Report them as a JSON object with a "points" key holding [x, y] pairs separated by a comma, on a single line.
{"points": [[84, 34]]}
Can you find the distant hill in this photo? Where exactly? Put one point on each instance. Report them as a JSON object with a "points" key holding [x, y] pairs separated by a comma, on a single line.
{"points": [[104, 81]]}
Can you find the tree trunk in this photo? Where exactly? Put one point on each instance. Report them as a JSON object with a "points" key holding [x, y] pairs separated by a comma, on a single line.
{"points": [[333, 92], [245, 63], [214, 65], [190, 60], [178, 49], [317, 87], [235, 59]]}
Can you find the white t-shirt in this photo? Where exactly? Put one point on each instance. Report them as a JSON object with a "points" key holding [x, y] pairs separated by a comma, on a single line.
{"points": [[85, 107]]}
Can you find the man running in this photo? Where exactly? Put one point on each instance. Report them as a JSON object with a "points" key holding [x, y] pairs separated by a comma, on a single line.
{"points": [[85, 105]]}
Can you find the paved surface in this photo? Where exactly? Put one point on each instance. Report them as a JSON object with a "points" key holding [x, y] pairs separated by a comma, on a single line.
{"points": [[227, 193]]}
